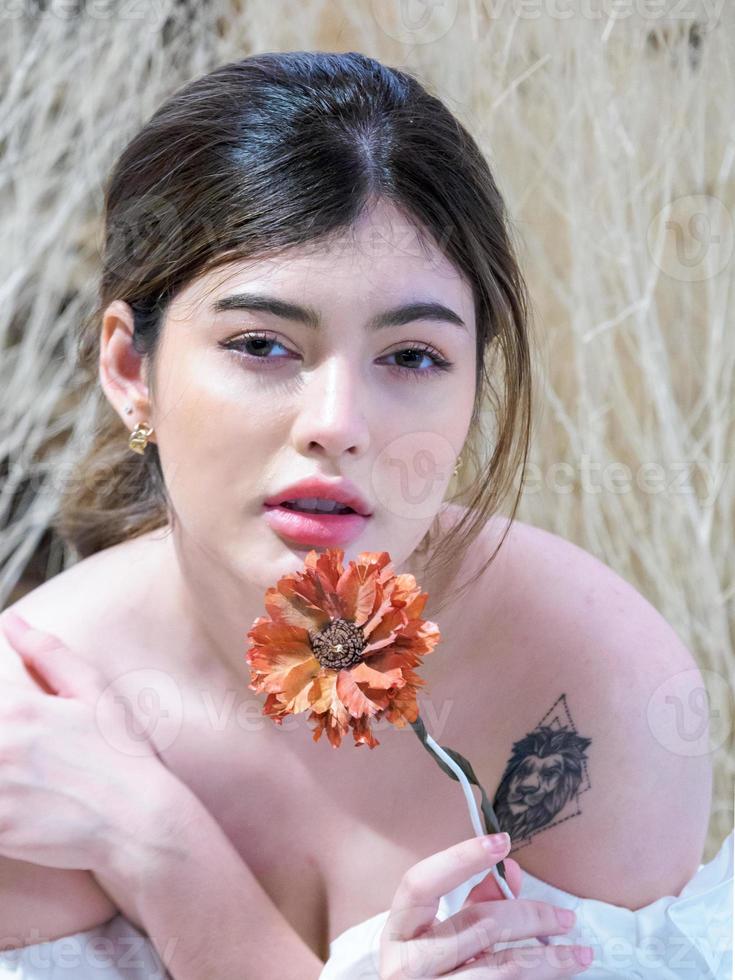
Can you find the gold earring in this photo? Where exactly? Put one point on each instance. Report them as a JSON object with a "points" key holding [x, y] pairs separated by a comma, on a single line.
{"points": [[459, 463], [139, 437]]}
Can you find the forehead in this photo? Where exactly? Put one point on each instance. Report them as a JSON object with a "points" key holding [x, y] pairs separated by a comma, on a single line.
{"points": [[381, 257]]}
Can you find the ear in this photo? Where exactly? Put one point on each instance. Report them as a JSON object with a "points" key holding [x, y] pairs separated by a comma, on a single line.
{"points": [[121, 370]]}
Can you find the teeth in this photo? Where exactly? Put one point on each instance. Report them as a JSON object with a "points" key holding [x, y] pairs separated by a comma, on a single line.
{"points": [[316, 504]]}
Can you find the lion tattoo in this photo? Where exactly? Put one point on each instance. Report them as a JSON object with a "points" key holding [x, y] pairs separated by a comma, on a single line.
{"points": [[544, 774]]}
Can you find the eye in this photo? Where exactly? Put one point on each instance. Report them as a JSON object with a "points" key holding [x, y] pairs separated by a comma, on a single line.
{"points": [[439, 363], [261, 341], [264, 342]]}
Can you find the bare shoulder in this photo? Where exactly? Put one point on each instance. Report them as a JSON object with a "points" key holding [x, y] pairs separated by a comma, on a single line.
{"points": [[600, 784], [106, 589], [554, 587], [38, 903]]}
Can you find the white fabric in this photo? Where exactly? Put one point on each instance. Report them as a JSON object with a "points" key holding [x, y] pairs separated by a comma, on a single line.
{"points": [[115, 950], [687, 937]]}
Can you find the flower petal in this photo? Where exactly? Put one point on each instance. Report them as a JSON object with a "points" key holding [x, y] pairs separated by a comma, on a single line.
{"points": [[365, 673], [298, 688], [267, 631], [420, 634], [384, 626], [353, 697], [358, 590], [386, 607], [363, 733], [323, 572], [290, 604]]}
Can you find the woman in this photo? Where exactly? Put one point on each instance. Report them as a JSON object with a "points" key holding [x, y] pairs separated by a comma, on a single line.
{"points": [[307, 274]]}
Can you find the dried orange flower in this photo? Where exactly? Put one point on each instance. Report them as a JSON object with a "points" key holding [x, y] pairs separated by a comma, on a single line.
{"points": [[342, 644]]}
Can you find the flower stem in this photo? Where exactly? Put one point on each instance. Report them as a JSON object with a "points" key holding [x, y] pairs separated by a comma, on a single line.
{"points": [[456, 766]]}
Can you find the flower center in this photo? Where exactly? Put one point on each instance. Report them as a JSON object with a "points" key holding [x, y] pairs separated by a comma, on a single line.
{"points": [[339, 644]]}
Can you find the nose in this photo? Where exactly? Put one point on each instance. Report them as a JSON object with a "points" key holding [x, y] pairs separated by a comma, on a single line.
{"points": [[331, 415]]}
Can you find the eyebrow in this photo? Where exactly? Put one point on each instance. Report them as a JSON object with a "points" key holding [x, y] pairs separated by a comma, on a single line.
{"points": [[394, 317]]}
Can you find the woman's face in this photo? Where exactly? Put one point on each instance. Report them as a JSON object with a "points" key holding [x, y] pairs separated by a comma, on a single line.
{"points": [[248, 401]]}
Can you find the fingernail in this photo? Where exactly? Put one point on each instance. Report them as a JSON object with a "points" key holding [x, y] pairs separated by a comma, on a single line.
{"points": [[566, 917], [496, 842], [583, 955], [13, 617]]}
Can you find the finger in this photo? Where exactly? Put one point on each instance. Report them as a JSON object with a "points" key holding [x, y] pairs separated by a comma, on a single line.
{"points": [[417, 897], [14, 627], [50, 662], [477, 928], [18, 700], [488, 890], [12, 667], [539, 962]]}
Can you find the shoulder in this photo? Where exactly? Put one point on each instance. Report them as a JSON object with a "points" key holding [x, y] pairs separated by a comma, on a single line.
{"points": [[603, 788], [102, 595], [558, 590]]}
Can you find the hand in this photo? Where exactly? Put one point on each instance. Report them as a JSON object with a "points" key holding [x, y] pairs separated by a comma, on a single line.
{"points": [[71, 774], [415, 944]]}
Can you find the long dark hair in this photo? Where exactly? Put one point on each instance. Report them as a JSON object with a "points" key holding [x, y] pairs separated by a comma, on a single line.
{"points": [[278, 150]]}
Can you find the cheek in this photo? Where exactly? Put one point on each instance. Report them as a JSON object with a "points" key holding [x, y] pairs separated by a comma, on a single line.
{"points": [[215, 436], [200, 402]]}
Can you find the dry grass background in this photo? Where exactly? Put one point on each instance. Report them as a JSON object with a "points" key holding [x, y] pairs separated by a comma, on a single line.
{"points": [[612, 140]]}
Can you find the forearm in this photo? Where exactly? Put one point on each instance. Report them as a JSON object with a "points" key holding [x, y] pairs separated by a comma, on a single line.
{"points": [[200, 904]]}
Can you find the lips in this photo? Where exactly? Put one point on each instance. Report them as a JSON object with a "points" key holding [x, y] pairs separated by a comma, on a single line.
{"points": [[316, 506], [318, 530], [341, 490]]}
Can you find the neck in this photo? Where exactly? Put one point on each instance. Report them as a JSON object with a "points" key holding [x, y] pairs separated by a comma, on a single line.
{"points": [[209, 608]]}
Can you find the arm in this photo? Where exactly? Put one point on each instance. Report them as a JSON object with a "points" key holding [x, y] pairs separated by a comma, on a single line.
{"points": [[162, 859], [203, 909], [39, 904]]}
